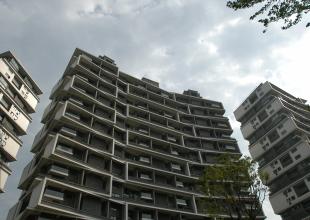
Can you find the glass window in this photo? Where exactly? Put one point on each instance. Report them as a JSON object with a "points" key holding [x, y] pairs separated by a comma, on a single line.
{"points": [[262, 116], [273, 136], [16, 82], [301, 189], [5, 103], [286, 160], [3, 82]]}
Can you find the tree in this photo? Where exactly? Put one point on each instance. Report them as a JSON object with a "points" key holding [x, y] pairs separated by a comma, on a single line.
{"points": [[288, 11], [234, 187]]}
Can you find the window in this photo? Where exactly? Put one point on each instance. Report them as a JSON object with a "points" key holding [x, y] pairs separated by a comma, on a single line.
{"points": [[14, 64], [262, 116], [146, 195], [286, 160], [294, 150], [253, 98], [297, 157], [301, 189], [16, 82], [273, 136], [3, 83], [5, 103]]}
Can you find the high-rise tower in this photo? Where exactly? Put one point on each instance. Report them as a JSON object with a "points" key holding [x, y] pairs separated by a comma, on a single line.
{"points": [[18, 99], [120, 148], [277, 126]]}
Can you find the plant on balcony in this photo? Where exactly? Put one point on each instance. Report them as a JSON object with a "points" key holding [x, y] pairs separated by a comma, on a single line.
{"points": [[233, 187]]}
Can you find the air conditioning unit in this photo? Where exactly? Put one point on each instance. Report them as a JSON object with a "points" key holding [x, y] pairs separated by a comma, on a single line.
{"points": [[64, 149], [59, 171], [53, 194], [181, 202]]}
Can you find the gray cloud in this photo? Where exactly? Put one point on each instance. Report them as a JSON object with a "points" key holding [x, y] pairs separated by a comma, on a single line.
{"points": [[182, 44]]}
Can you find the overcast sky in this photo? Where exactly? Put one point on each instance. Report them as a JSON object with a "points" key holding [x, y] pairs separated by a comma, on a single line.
{"points": [[182, 44]]}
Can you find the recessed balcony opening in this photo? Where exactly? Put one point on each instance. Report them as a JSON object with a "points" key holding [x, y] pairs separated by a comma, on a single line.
{"points": [[142, 105], [96, 182], [192, 143], [157, 99], [119, 151], [69, 132], [196, 171], [156, 110], [58, 170], [156, 134], [209, 158], [89, 66], [120, 108], [105, 100], [187, 119], [164, 179], [63, 173], [119, 135], [105, 87], [172, 139], [104, 113], [70, 151], [77, 116], [122, 86], [161, 147], [116, 211], [102, 127], [93, 206], [140, 141], [204, 132], [143, 130], [118, 169], [99, 162], [84, 89], [59, 196], [101, 143], [209, 145]]}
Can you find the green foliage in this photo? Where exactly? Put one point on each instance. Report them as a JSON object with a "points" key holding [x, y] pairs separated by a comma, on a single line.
{"points": [[288, 11], [233, 187]]}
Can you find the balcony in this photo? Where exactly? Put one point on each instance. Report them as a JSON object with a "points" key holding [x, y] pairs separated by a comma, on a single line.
{"points": [[290, 195], [287, 160], [261, 117], [271, 138], [9, 143], [253, 99], [17, 116], [28, 96]]}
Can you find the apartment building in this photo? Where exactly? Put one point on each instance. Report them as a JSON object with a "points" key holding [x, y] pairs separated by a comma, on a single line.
{"points": [[18, 99], [120, 148], [277, 126]]}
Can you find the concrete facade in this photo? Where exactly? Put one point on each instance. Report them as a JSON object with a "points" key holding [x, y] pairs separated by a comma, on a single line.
{"points": [[18, 99], [120, 148], [277, 126]]}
